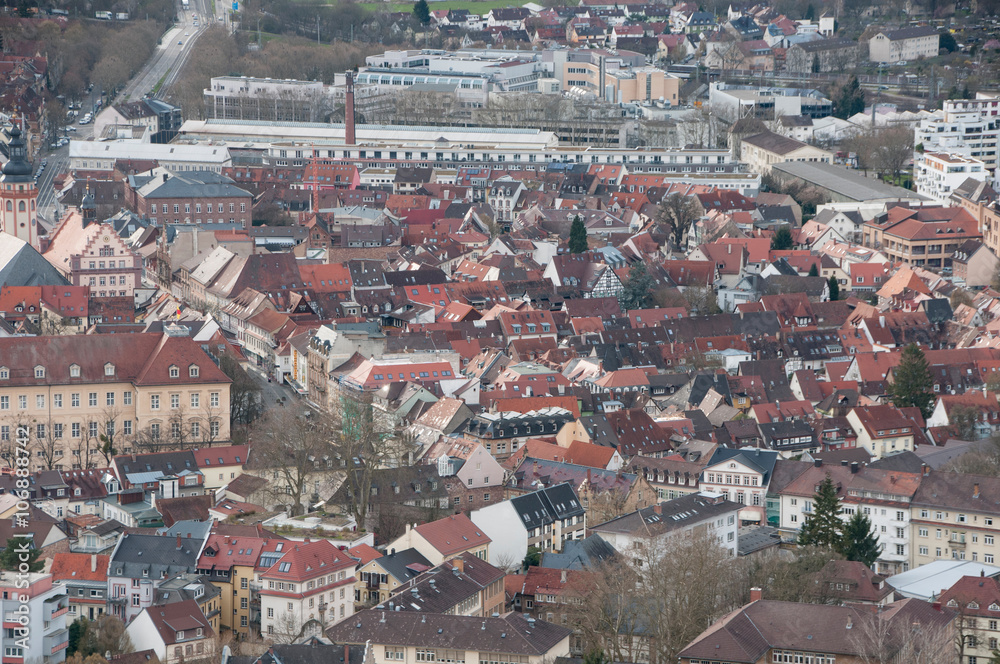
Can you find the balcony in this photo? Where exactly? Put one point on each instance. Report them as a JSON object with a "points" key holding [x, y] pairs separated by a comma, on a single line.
{"points": [[118, 600], [957, 541], [53, 643]]}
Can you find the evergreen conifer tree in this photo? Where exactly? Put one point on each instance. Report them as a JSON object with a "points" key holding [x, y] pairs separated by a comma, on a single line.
{"points": [[858, 542], [823, 526]]}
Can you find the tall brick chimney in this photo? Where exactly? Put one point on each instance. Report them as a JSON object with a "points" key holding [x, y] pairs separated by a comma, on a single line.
{"points": [[349, 137]]}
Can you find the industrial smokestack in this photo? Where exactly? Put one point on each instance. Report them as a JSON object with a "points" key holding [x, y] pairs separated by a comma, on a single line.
{"points": [[349, 138]]}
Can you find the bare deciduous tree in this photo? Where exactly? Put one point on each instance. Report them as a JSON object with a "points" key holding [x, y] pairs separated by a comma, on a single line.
{"points": [[294, 446], [655, 598], [365, 440], [680, 212]]}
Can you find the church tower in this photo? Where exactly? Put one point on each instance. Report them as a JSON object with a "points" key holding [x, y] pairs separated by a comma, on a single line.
{"points": [[18, 196]]}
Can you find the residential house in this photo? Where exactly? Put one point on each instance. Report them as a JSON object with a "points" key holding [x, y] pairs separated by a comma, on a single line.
{"points": [[139, 563], [544, 520], [85, 577], [307, 588], [177, 632], [743, 477], [382, 576], [882, 430], [445, 538], [951, 518], [696, 514], [45, 606], [463, 586]]}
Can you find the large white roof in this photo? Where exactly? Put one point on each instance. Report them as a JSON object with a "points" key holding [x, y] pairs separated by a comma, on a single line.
{"points": [[928, 581], [261, 132], [169, 152]]}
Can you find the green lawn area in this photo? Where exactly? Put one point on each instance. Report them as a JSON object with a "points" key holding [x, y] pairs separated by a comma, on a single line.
{"points": [[474, 6]]}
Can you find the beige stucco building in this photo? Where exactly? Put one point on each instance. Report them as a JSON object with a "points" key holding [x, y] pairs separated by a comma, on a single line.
{"points": [[63, 394], [621, 85], [763, 150]]}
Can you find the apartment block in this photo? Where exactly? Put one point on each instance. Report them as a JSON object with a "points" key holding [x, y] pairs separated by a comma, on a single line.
{"points": [[953, 517], [48, 606], [939, 174], [967, 127]]}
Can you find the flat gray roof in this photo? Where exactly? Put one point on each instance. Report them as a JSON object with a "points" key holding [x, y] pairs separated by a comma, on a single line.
{"points": [[843, 181]]}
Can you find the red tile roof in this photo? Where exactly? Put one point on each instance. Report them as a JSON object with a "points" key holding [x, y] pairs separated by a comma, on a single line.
{"points": [[144, 359], [222, 551], [186, 616], [221, 455], [364, 554], [308, 560], [79, 567], [453, 534]]}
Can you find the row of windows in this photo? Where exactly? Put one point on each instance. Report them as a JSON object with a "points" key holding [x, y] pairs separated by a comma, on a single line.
{"points": [[109, 281], [959, 518], [100, 265], [197, 208], [74, 400], [175, 400], [58, 431]]}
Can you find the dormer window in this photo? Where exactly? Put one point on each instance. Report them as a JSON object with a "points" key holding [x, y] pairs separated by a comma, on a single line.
{"points": [[76, 491], [74, 371], [39, 371], [174, 372], [193, 371], [180, 635], [109, 369], [4, 373]]}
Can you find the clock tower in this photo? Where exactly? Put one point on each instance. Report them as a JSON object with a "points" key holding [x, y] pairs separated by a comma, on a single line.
{"points": [[18, 195]]}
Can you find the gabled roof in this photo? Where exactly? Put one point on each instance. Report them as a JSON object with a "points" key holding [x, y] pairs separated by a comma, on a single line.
{"points": [[71, 567], [171, 619], [546, 506], [510, 633], [453, 534], [308, 560]]}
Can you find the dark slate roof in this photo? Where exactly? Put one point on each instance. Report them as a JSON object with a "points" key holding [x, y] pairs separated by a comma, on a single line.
{"points": [[190, 184], [153, 554], [938, 310], [910, 33], [310, 653], [21, 265], [546, 506], [510, 633], [904, 462], [704, 382], [441, 589], [397, 564], [671, 515], [578, 554], [760, 460], [752, 540]]}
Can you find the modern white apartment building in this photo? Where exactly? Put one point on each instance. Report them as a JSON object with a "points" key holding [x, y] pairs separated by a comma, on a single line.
{"points": [[967, 127], [938, 174], [47, 635]]}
